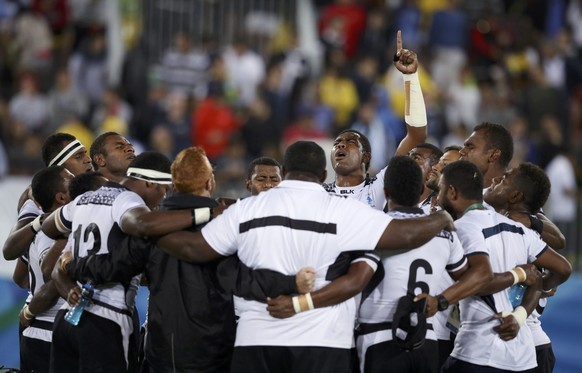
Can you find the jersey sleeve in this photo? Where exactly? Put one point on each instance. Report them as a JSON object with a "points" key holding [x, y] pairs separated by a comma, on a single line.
{"points": [[471, 238], [29, 210], [361, 226], [457, 259], [124, 202], [221, 233], [64, 216]]}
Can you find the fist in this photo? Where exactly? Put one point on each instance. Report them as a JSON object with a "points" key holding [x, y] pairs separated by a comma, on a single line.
{"points": [[305, 279]]}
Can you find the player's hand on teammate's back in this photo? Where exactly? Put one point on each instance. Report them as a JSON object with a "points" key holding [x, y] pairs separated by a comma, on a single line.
{"points": [[280, 307], [305, 279]]}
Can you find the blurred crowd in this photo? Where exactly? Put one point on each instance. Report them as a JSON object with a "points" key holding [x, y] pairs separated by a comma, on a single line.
{"points": [[516, 63]]}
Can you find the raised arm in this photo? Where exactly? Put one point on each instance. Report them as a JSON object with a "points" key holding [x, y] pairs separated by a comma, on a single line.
{"points": [[406, 62]]}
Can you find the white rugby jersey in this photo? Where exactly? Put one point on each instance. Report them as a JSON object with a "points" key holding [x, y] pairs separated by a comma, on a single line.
{"points": [[508, 244], [369, 191], [414, 272], [37, 251], [535, 325], [93, 219], [294, 225], [29, 210]]}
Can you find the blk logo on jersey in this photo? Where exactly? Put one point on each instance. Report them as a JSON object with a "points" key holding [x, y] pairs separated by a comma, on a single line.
{"points": [[347, 191]]}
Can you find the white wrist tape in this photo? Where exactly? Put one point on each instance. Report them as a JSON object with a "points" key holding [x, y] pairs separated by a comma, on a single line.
{"points": [[296, 305], [520, 315], [201, 215], [515, 276], [36, 225], [309, 301], [519, 275], [414, 108]]}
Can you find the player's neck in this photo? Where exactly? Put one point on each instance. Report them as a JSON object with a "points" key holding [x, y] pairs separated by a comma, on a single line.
{"points": [[425, 193], [111, 176], [519, 208], [469, 205], [349, 180], [491, 174]]}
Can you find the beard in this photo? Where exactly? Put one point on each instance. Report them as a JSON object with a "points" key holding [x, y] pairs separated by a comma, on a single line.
{"points": [[448, 207], [433, 184]]}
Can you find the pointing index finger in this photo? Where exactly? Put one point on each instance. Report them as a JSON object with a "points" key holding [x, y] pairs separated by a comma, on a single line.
{"points": [[398, 41]]}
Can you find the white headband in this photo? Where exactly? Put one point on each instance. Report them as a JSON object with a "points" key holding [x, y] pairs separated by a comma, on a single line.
{"points": [[152, 176], [66, 153]]}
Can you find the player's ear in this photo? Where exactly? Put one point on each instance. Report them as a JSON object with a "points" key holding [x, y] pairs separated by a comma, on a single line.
{"points": [[323, 176]]}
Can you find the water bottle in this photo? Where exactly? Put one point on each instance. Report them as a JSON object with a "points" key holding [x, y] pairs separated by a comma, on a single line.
{"points": [[74, 314], [516, 294]]}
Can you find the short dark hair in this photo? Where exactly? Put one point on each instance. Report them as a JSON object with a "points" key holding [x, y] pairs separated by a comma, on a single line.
{"points": [[85, 182], [498, 137], [403, 181], [45, 184], [151, 160], [465, 177], [452, 147], [98, 146], [435, 152], [261, 161], [365, 144], [53, 144], [305, 157], [535, 185]]}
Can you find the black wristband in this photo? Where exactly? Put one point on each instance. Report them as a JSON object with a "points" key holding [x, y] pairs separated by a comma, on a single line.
{"points": [[442, 302], [396, 57], [536, 224]]}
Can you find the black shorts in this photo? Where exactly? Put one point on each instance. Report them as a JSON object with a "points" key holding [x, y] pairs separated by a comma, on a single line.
{"points": [[35, 353], [388, 357], [95, 345], [283, 359], [546, 359]]}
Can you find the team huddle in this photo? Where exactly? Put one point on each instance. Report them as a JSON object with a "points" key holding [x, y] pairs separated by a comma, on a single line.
{"points": [[415, 269]]}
